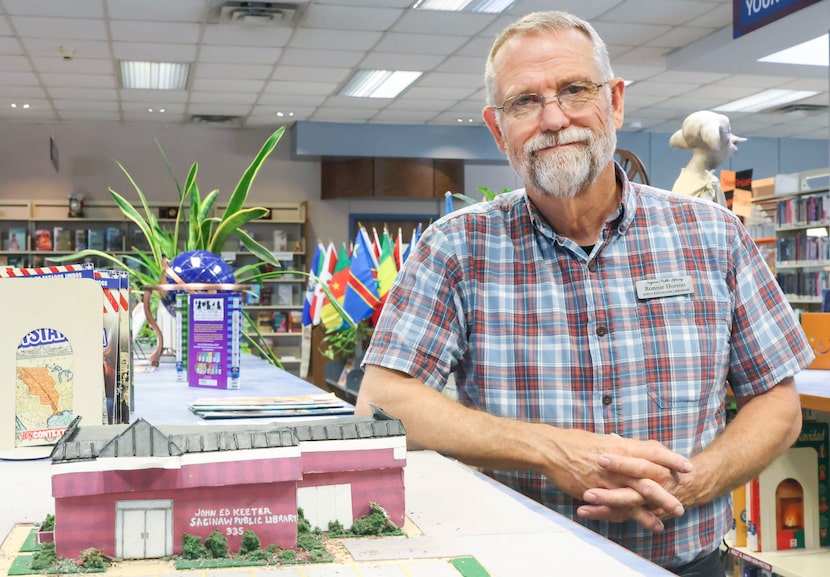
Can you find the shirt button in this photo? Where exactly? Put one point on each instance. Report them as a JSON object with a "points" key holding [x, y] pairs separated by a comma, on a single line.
{"points": [[592, 266], [602, 331], [606, 399]]}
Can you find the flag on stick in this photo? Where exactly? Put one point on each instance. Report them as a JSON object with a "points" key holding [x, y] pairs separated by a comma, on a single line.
{"points": [[361, 297]]}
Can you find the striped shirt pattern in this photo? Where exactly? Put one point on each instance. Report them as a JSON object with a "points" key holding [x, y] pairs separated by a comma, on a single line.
{"points": [[534, 329]]}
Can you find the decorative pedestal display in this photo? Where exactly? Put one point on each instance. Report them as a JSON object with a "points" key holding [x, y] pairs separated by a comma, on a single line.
{"points": [[788, 490]]}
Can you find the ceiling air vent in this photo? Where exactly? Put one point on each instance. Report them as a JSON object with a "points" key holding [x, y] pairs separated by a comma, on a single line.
{"points": [[800, 109], [273, 13], [216, 119]]}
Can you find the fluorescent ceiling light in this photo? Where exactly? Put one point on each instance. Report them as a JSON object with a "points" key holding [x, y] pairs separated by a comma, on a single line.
{"points": [[764, 100], [488, 6], [814, 52], [154, 75], [378, 83]]}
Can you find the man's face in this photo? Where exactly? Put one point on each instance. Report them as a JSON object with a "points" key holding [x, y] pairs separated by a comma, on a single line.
{"points": [[557, 153]]}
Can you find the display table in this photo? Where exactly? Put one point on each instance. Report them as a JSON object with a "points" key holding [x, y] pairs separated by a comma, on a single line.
{"points": [[459, 511]]}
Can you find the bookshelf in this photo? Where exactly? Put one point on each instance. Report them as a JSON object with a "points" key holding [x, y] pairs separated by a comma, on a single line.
{"points": [[802, 226], [103, 226]]}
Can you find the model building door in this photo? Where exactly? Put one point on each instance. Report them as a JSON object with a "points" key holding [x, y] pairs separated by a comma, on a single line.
{"points": [[326, 503], [143, 529]]}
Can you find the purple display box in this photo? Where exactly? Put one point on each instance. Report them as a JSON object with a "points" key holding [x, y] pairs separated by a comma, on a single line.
{"points": [[213, 340]]}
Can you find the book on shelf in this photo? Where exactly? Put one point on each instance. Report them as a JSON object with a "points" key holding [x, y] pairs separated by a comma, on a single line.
{"points": [[139, 241], [63, 238], [17, 239], [265, 292], [114, 240], [95, 239], [43, 239], [285, 295], [81, 239], [280, 241], [252, 294]]}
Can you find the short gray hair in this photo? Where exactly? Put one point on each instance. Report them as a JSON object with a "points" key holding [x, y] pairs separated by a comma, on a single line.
{"points": [[546, 22]]}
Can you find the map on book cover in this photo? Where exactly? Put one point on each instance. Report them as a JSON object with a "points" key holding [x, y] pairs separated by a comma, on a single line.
{"points": [[44, 387]]}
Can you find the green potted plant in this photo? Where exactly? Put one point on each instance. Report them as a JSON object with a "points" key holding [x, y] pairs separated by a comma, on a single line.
{"points": [[201, 231]]}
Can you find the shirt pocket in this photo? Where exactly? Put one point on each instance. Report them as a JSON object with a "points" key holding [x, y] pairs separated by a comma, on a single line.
{"points": [[685, 349]]}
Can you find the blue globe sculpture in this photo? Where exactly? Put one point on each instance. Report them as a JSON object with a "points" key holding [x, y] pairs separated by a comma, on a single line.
{"points": [[197, 266]]}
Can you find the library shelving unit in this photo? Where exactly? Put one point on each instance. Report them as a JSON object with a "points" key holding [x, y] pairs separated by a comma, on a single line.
{"points": [[33, 230], [802, 223]]}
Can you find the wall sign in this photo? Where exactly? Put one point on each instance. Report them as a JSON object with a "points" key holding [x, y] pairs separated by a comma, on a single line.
{"points": [[749, 15]]}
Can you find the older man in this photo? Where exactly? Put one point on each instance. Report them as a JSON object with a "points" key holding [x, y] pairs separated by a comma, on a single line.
{"points": [[591, 323]]}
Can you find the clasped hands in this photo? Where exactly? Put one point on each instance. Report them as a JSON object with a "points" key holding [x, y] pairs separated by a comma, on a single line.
{"points": [[620, 479]]}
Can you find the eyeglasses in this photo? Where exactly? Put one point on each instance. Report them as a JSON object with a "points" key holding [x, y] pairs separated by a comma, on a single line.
{"points": [[572, 98]]}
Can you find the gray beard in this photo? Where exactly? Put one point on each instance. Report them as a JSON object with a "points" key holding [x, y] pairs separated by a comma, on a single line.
{"points": [[563, 173]]}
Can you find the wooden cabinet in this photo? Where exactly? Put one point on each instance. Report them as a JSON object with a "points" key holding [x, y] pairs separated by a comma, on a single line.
{"points": [[390, 178]]}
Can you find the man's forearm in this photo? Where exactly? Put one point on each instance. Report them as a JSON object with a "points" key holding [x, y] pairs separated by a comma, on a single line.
{"points": [[434, 421], [764, 428]]}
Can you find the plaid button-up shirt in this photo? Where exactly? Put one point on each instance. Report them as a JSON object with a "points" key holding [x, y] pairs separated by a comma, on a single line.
{"points": [[534, 329]]}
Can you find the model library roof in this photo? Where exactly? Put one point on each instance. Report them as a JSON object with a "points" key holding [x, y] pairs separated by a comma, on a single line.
{"points": [[142, 439]]}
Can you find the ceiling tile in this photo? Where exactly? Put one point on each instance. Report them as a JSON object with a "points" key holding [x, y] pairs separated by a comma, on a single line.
{"points": [[419, 44], [239, 54], [152, 32], [317, 39], [350, 17], [332, 58], [163, 10], [240, 35], [231, 71], [154, 52], [55, 8], [60, 28], [82, 80]]}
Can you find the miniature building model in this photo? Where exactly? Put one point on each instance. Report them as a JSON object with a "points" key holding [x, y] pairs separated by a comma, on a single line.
{"points": [[789, 501], [132, 491]]}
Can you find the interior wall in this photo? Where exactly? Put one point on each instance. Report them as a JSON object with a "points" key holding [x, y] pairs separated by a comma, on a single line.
{"points": [[88, 151]]}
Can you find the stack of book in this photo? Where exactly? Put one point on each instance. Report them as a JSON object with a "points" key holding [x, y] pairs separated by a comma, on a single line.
{"points": [[289, 406]]}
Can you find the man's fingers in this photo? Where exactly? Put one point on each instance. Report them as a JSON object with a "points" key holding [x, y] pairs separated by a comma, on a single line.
{"points": [[640, 493], [637, 468], [659, 454], [645, 518]]}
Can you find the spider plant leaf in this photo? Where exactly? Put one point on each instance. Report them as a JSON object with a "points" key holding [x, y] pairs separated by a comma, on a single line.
{"points": [[231, 223], [240, 193], [131, 213], [170, 170], [256, 339], [464, 197], [82, 254], [257, 249]]}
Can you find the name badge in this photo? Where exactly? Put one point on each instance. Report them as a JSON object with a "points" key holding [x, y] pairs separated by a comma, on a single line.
{"points": [[664, 287]]}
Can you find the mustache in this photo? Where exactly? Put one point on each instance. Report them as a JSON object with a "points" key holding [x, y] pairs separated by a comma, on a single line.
{"points": [[568, 135]]}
